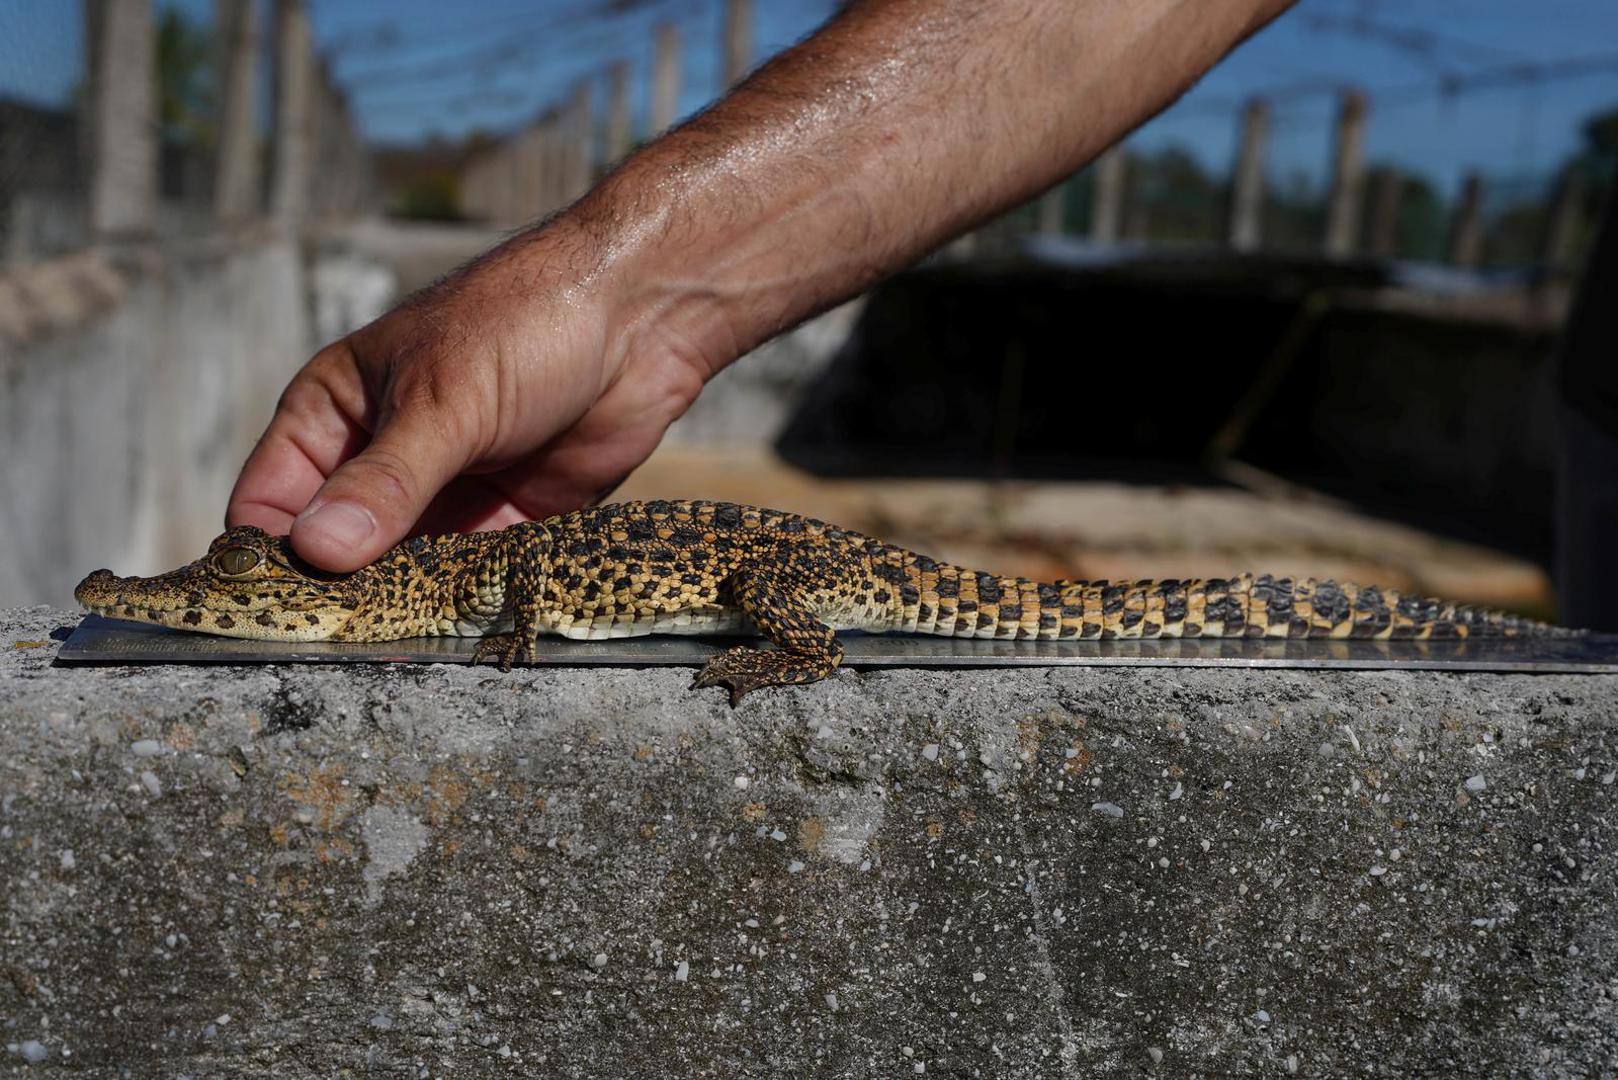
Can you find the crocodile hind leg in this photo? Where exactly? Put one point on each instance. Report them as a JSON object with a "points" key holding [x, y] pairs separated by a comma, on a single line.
{"points": [[508, 649], [806, 649], [525, 599]]}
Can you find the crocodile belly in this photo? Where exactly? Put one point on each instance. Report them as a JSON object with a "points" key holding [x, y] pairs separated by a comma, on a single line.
{"points": [[705, 620]]}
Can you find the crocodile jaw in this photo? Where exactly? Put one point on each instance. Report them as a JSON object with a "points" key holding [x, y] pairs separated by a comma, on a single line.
{"points": [[166, 601]]}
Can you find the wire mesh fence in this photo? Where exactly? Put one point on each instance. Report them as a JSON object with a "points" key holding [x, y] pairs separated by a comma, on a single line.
{"points": [[154, 122], [503, 118]]}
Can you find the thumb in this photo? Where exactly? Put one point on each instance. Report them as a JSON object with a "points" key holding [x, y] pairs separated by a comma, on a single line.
{"points": [[372, 500]]}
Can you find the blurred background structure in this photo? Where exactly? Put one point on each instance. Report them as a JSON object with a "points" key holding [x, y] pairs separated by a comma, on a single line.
{"points": [[1303, 321]]}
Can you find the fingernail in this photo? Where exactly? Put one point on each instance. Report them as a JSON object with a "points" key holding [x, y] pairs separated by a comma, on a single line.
{"points": [[340, 524]]}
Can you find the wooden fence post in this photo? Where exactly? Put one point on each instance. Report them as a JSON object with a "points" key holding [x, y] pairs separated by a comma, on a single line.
{"points": [[665, 78], [581, 141], [484, 187], [496, 181], [553, 161], [528, 168], [356, 163], [1244, 230], [322, 142], [619, 135], [123, 128], [1348, 177], [294, 108], [345, 156], [1107, 205], [1052, 211], [1561, 225], [1390, 187], [738, 40], [1466, 235], [473, 187], [236, 186]]}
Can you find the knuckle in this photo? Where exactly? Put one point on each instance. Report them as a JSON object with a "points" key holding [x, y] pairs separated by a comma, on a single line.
{"points": [[330, 366], [303, 395], [429, 386], [388, 475], [441, 402], [318, 385]]}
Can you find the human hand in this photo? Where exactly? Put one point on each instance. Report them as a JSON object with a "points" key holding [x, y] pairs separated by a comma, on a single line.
{"points": [[535, 379], [520, 387]]}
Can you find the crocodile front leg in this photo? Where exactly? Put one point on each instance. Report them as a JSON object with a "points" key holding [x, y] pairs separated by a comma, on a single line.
{"points": [[524, 599]]}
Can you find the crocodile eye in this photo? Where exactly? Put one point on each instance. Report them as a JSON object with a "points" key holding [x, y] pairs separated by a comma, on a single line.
{"points": [[236, 561]]}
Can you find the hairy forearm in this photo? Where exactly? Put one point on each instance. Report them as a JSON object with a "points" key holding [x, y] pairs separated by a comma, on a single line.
{"points": [[898, 125]]}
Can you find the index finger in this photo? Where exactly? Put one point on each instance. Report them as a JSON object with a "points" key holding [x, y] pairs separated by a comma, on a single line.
{"points": [[317, 426]]}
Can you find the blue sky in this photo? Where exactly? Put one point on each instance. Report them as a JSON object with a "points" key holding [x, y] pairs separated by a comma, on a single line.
{"points": [[492, 63]]}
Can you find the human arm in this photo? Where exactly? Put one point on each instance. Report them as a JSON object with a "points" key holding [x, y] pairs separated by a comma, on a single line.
{"points": [[538, 376]]}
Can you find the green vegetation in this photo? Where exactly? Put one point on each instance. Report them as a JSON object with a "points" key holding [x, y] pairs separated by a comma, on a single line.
{"points": [[185, 77]]}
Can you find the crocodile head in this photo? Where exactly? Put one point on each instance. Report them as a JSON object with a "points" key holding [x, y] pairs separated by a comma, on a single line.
{"points": [[249, 585]]}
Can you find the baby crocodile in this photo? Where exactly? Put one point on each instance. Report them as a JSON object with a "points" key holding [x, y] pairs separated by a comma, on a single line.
{"points": [[718, 568]]}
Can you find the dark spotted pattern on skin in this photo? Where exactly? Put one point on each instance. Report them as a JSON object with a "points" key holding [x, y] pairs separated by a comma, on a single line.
{"points": [[426, 586], [705, 567]]}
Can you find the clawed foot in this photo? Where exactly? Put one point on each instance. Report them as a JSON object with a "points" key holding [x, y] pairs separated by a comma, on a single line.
{"points": [[736, 669], [509, 648], [742, 670]]}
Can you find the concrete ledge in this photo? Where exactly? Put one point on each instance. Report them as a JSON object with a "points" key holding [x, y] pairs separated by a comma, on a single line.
{"points": [[434, 871], [56, 295]]}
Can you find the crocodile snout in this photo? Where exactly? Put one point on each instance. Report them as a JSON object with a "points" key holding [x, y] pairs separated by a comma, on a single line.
{"points": [[92, 590]]}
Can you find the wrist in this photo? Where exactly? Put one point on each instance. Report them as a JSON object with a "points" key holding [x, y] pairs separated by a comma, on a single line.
{"points": [[657, 266]]}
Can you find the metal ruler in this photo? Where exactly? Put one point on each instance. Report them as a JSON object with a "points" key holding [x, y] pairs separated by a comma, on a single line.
{"points": [[102, 641]]}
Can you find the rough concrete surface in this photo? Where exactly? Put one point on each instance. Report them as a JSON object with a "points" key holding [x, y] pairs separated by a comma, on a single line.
{"points": [[447, 872]]}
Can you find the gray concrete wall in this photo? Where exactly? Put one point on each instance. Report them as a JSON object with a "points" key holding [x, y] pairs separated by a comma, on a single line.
{"points": [[440, 871], [130, 395], [122, 426]]}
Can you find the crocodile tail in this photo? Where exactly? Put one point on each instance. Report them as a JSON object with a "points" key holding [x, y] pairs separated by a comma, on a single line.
{"points": [[954, 601], [1282, 607], [1262, 605]]}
